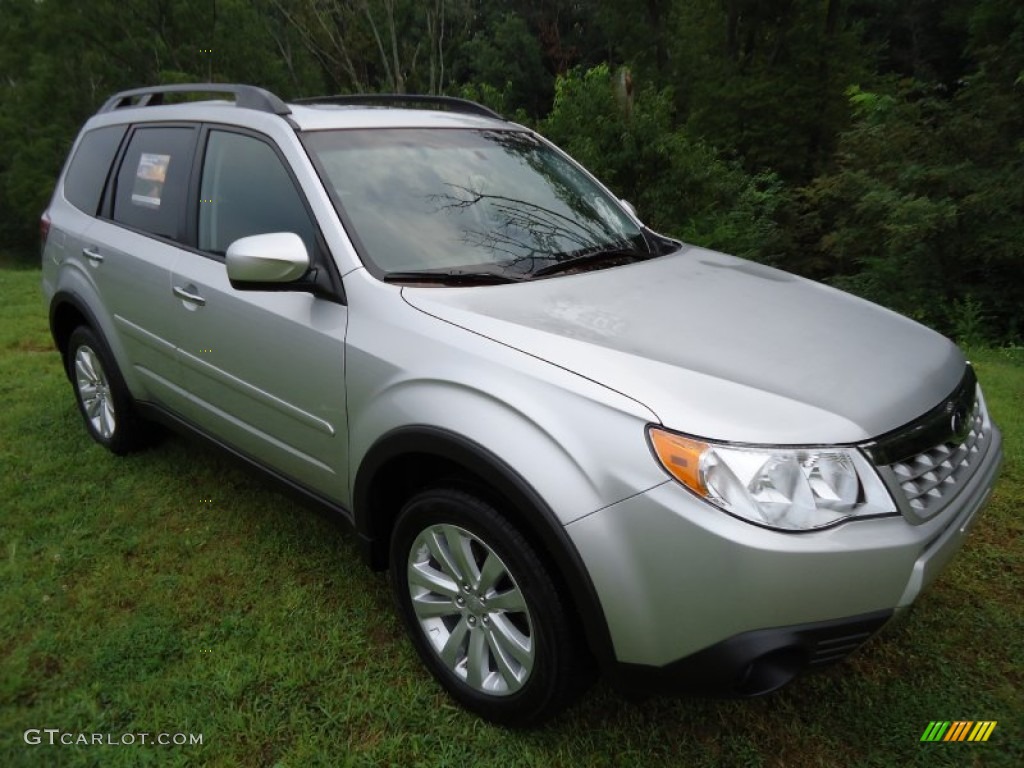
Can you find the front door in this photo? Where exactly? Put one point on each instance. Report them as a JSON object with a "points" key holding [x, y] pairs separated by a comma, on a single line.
{"points": [[265, 370]]}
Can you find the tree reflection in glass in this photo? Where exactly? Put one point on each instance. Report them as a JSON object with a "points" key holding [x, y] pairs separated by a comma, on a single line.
{"points": [[458, 199]]}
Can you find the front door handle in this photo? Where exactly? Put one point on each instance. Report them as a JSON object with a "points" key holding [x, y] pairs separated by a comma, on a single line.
{"points": [[94, 256], [186, 295]]}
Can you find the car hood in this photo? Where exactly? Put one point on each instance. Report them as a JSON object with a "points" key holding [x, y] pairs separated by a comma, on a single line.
{"points": [[720, 347]]}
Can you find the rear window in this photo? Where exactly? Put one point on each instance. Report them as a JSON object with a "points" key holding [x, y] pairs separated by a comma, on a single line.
{"points": [[153, 180], [83, 185]]}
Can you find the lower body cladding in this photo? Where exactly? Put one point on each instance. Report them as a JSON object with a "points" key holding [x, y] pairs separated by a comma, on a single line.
{"points": [[698, 601]]}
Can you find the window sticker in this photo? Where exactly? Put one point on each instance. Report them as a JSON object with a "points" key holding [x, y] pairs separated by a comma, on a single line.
{"points": [[149, 179]]}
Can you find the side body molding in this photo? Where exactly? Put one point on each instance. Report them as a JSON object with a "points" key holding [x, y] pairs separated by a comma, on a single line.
{"points": [[424, 444]]}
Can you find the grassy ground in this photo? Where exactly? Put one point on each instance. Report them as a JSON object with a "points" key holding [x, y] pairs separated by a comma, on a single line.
{"points": [[171, 591]]}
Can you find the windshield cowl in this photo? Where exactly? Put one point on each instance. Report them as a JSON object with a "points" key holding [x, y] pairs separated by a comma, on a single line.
{"points": [[449, 277], [590, 260]]}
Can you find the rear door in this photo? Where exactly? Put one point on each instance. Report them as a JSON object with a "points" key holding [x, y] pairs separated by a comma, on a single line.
{"points": [[265, 369], [131, 248]]}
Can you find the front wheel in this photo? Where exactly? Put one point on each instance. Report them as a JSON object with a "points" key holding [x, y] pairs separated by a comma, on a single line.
{"points": [[482, 609]]}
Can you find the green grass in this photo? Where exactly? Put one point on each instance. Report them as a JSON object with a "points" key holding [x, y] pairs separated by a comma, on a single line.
{"points": [[129, 604]]}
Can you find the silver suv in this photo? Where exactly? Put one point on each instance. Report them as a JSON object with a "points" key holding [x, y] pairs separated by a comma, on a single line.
{"points": [[575, 443]]}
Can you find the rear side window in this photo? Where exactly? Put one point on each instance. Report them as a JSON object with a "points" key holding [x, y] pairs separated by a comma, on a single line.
{"points": [[246, 190], [153, 180], [83, 185]]}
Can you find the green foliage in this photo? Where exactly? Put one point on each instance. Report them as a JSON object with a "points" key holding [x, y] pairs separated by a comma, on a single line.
{"points": [[925, 212], [505, 58], [925, 209], [678, 184], [968, 321], [869, 107], [763, 81]]}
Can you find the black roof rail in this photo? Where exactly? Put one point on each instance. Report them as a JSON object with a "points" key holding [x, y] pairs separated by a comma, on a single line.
{"points": [[448, 103], [246, 96]]}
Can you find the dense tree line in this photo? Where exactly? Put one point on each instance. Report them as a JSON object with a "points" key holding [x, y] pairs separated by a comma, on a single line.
{"points": [[875, 144]]}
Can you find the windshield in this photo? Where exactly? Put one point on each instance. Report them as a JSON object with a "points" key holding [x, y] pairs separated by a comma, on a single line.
{"points": [[460, 200]]}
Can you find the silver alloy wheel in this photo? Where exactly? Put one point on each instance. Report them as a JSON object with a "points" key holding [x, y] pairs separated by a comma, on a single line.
{"points": [[94, 389], [471, 610]]}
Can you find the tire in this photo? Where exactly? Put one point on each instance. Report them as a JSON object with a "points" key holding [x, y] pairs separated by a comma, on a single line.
{"points": [[499, 641], [102, 396]]}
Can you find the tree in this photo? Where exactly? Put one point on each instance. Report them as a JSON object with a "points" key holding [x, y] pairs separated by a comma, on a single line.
{"points": [[374, 45], [925, 212], [679, 184], [764, 81], [507, 58]]}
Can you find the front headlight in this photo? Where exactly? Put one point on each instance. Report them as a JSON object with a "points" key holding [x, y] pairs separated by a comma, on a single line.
{"points": [[792, 489]]}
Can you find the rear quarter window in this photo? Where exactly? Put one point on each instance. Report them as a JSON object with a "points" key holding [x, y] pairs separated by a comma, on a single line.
{"points": [[153, 179], [87, 174]]}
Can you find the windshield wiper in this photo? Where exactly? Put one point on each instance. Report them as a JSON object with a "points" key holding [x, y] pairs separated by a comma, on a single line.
{"points": [[449, 277], [614, 255]]}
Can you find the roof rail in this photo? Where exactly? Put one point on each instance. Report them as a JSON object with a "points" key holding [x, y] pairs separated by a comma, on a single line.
{"points": [[246, 96], [448, 103]]}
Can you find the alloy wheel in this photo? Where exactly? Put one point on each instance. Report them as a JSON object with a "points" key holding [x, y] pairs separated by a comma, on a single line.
{"points": [[94, 389], [471, 610]]}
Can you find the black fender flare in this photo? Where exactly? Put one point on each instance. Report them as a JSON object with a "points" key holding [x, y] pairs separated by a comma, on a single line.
{"points": [[373, 525], [69, 298]]}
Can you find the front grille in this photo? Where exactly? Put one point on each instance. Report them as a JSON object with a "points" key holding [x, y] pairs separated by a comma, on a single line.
{"points": [[930, 477], [926, 481], [926, 463]]}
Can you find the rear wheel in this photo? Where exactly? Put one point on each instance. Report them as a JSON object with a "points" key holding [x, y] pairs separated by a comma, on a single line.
{"points": [[482, 609], [102, 396]]}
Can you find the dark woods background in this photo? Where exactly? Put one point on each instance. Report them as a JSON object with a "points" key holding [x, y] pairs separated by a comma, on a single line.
{"points": [[874, 144]]}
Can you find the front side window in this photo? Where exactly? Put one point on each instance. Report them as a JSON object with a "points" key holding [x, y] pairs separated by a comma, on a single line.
{"points": [[461, 199], [153, 180], [245, 191]]}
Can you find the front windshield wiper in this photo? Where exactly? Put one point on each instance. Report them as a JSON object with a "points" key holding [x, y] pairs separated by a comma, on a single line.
{"points": [[616, 255], [450, 277]]}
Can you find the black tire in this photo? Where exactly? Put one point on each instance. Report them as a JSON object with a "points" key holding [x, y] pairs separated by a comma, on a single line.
{"points": [[508, 691], [102, 396]]}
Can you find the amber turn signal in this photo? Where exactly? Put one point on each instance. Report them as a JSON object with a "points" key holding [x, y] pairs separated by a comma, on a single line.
{"points": [[681, 457]]}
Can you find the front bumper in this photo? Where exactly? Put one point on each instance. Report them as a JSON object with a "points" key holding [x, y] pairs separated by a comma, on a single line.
{"points": [[716, 605], [753, 663]]}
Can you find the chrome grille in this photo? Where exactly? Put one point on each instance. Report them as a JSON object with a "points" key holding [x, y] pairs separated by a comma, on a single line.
{"points": [[929, 479]]}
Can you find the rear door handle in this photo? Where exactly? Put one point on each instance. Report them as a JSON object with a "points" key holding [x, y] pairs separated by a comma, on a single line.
{"points": [[94, 256], [192, 298]]}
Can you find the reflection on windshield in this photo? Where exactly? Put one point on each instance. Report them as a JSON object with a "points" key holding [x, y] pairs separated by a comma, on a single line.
{"points": [[440, 199]]}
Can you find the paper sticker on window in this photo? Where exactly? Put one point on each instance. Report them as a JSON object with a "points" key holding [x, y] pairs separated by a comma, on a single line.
{"points": [[149, 179]]}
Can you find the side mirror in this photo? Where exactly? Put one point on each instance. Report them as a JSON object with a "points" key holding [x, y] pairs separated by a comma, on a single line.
{"points": [[261, 261]]}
